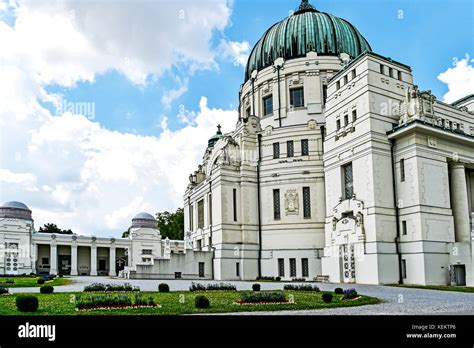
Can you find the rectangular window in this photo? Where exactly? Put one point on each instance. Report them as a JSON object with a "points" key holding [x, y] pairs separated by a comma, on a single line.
{"points": [[347, 181], [276, 150], [276, 204], [338, 85], [210, 209], [290, 148], [304, 147], [345, 80], [354, 115], [247, 112], [353, 74], [381, 69], [338, 124], [234, 201], [292, 267], [267, 105], [237, 269], [201, 269], [177, 275], [304, 268], [201, 213], [147, 251], [346, 120], [306, 202], [281, 267], [404, 269], [45, 260], [325, 94], [191, 218], [390, 72], [402, 169], [297, 97], [400, 75], [404, 228]]}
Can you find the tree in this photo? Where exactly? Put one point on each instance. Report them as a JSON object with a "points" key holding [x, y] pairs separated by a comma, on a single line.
{"points": [[171, 225], [126, 233], [52, 228]]}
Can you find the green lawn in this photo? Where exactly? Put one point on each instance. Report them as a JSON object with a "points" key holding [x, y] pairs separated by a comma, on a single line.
{"points": [[436, 287], [175, 303], [29, 282]]}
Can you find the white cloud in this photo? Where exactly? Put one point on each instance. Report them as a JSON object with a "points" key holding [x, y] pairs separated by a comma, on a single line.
{"points": [[69, 169], [237, 51], [460, 79], [69, 41]]}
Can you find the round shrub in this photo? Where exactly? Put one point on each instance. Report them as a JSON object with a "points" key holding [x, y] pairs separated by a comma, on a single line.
{"points": [[278, 279], [256, 287], [51, 277], [40, 281], [60, 276], [46, 289], [327, 297], [201, 301], [26, 303], [3, 290], [163, 287], [338, 291]]}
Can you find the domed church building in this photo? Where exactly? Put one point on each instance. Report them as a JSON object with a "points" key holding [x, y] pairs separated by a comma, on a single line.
{"points": [[339, 168]]}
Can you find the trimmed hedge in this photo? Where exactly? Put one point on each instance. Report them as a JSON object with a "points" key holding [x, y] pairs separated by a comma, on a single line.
{"points": [[163, 287], [27, 303], [301, 287], [262, 297], [256, 287], [201, 302], [338, 291], [40, 281], [84, 302], [46, 289], [327, 297], [212, 287], [99, 287]]}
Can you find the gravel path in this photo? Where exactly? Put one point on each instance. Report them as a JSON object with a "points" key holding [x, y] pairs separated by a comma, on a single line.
{"points": [[403, 301]]}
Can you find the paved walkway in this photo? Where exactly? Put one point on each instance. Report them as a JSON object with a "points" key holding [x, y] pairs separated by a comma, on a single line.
{"points": [[403, 301]]}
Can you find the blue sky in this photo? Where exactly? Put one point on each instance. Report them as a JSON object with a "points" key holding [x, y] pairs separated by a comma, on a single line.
{"points": [[425, 34], [161, 75]]}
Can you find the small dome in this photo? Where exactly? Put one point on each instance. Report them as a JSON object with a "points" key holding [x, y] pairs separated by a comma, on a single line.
{"points": [[15, 210], [15, 204], [215, 137], [144, 220], [307, 30], [144, 216]]}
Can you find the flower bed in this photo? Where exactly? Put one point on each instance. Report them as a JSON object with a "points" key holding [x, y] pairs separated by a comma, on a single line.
{"points": [[99, 287], [350, 294], [301, 287], [113, 301], [212, 287], [263, 297]]}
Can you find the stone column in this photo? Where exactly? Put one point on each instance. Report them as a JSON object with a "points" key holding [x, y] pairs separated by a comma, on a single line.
{"points": [[93, 260], [460, 206], [74, 259], [53, 258], [34, 257], [112, 272]]}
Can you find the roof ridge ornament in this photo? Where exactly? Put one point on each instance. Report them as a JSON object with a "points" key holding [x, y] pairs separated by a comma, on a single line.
{"points": [[305, 6]]}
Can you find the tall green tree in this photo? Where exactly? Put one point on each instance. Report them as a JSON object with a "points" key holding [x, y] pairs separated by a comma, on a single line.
{"points": [[53, 228], [171, 225]]}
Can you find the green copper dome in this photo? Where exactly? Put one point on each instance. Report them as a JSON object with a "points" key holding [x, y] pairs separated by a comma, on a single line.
{"points": [[305, 31]]}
